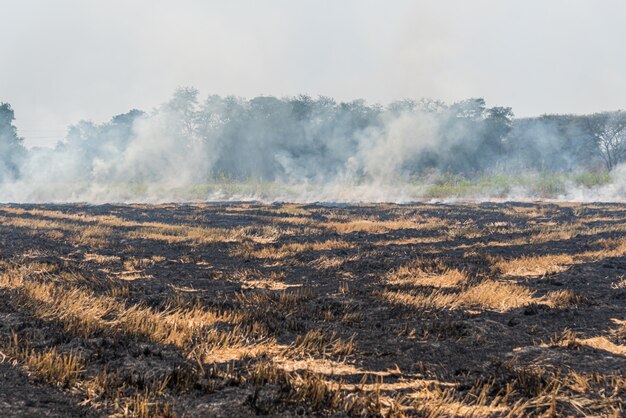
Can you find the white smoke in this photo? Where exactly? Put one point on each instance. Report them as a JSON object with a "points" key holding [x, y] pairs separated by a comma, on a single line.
{"points": [[270, 149]]}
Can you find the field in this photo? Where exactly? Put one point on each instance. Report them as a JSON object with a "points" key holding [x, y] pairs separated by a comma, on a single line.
{"points": [[239, 309]]}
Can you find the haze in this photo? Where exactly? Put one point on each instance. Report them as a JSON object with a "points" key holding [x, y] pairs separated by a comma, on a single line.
{"points": [[68, 60]]}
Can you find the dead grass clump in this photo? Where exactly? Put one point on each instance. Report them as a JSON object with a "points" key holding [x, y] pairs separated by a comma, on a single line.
{"points": [[491, 294], [529, 381], [67, 370], [603, 343], [119, 291], [313, 390], [615, 247], [571, 340], [292, 209], [95, 236], [173, 234], [145, 405], [464, 231], [560, 232], [488, 294], [544, 265], [254, 279], [260, 233], [40, 225], [426, 273], [145, 395], [567, 299], [268, 312], [327, 263], [264, 301], [353, 316], [534, 391], [295, 248], [100, 258], [81, 217], [321, 344], [430, 300], [244, 251], [291, 220], [368, 226], [55, 235], [567, 339], [137, 264], [58, 369], [193, 330], [94, 229]]}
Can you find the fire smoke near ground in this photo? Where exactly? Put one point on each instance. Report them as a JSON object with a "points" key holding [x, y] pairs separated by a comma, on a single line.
{"points": [[315, 149]]}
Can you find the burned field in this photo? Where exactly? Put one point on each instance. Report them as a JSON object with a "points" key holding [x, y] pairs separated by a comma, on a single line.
{"points": [[243, 309]]}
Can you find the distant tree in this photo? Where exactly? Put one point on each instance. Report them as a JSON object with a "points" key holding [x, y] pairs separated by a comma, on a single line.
{"points": [[11, 147], [608, 130], [497, 126], [128, 118], [184, 106], [431, 105], [400, 106], [302, 107], [471, 109]]}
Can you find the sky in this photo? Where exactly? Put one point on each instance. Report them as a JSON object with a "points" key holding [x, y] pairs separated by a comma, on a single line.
{"points": [[66, 60]]}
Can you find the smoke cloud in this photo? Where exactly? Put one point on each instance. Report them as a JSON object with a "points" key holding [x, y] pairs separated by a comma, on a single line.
{"points": [[311, 149]]}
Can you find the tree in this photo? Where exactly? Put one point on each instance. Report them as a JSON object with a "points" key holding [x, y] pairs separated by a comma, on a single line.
{"points": [[401, 106], [302, 106], [183, 107], [497, 126], [11, 148], [608, 130], [127, 119]]}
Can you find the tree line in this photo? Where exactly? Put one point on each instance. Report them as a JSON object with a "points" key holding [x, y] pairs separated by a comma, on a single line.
{"points": [[319, 139]]}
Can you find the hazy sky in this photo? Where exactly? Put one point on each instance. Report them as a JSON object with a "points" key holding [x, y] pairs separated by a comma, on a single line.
{"points": [[66, 60]]}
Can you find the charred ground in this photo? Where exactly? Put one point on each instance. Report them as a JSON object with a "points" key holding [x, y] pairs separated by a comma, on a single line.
{"points": [[240, 309]]}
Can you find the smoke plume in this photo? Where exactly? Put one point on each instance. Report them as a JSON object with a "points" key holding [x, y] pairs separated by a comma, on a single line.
{"points": [[316, 149]]}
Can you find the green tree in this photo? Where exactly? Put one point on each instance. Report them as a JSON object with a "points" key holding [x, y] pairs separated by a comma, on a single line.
{"points": [[608, 130], [11, 147]]}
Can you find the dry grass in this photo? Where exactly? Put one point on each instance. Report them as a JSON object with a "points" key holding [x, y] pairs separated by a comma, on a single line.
{"points": [[85, 314], [94, 236], [426, 273], [281, 307], [533, 266], [36, 225], [261, 303], [369, 226], [173, 234], [322, 395], [293, 220], [318, 343], [67, 370], [144, 405], [435, 286], [489, 294], [58, 369], [501, 296], [291, 209], [567, 299], [90, 230], [614, 247], [101, 259], [295, 248], [571, 340]]}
